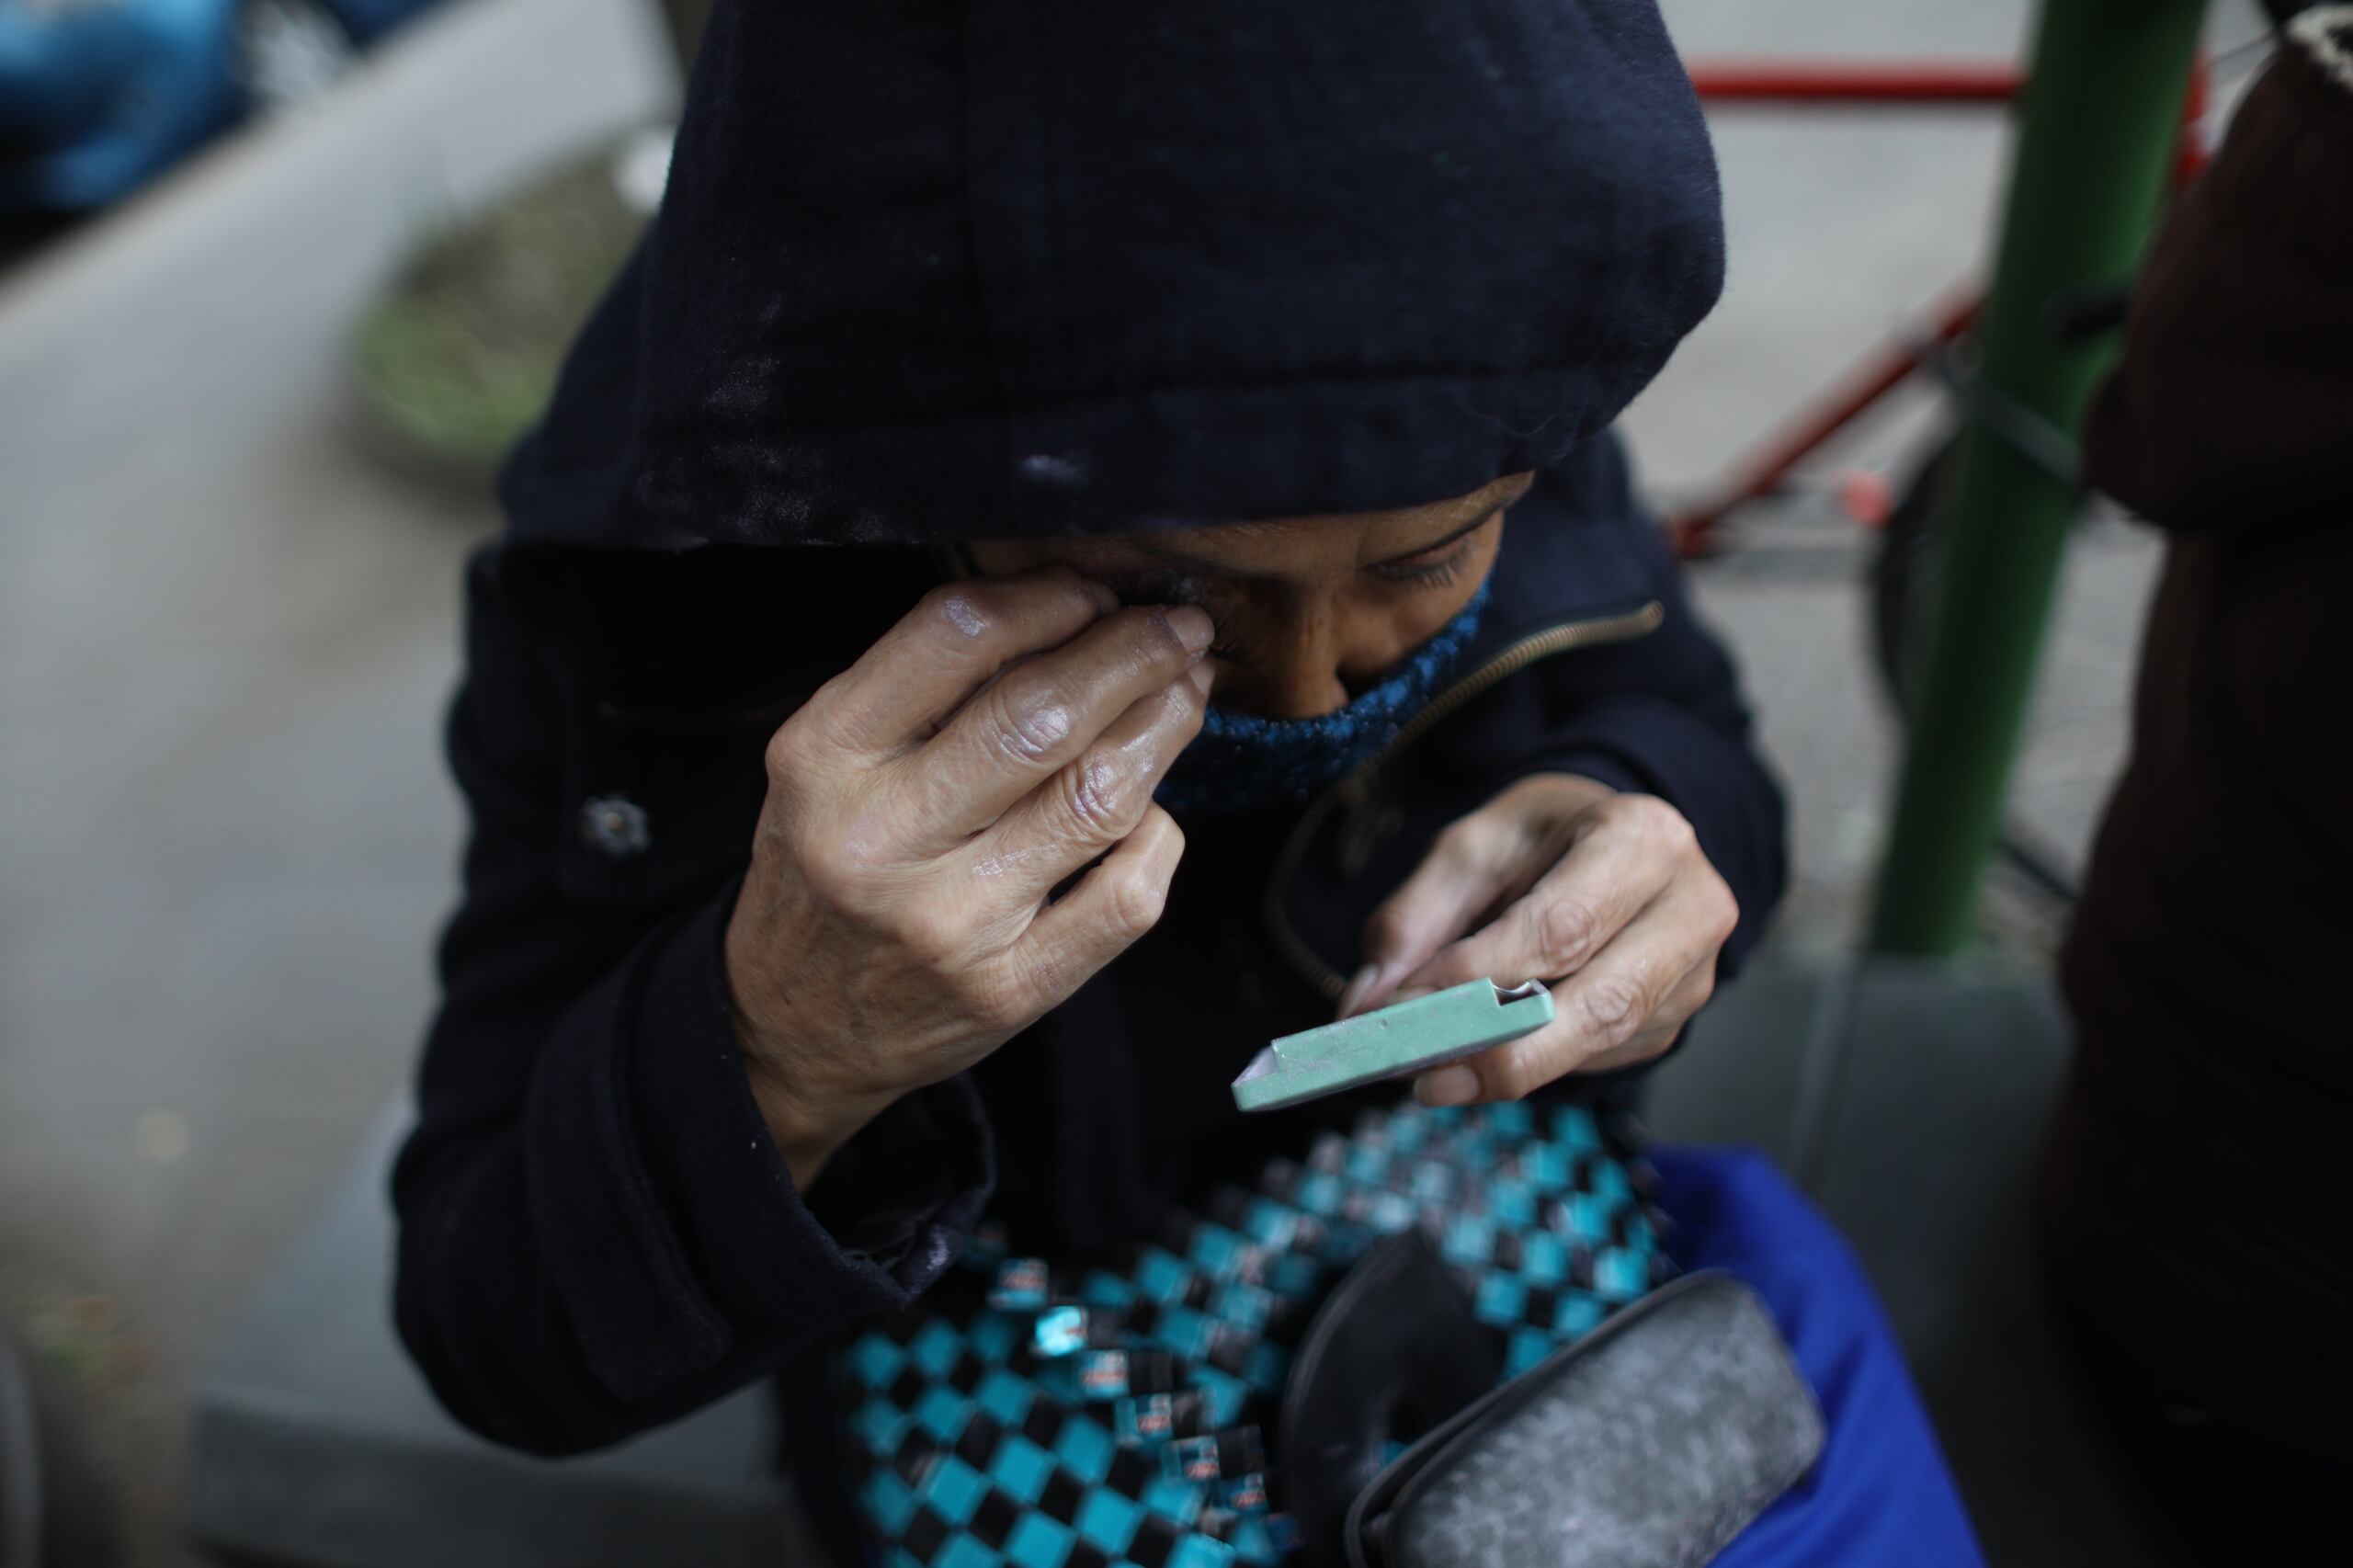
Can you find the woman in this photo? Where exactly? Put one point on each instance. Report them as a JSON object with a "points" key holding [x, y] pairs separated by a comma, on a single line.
{"points": [[1038, 451]]}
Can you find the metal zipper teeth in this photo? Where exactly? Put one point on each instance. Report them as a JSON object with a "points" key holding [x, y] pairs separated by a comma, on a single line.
{"points": [[1506, 663]]}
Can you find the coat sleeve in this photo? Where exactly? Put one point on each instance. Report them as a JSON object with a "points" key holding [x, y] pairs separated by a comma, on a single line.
{"points": [[595, 1233]]}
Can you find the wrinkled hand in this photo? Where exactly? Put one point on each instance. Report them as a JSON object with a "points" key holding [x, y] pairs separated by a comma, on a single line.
{"points": [[896, 923], [1566, 881]]}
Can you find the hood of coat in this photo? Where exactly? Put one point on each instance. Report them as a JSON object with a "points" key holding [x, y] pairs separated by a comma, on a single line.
{"points": [[934, 268], [2229, 403]]}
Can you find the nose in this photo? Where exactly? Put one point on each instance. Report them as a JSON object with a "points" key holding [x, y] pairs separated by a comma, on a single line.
{"points": [[1294, 674]]}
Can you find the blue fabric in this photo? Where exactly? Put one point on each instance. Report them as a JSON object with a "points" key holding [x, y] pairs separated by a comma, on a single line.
{"points": [[933, 1442], [1881, 1492], [1127, 1398], [1240, 762]]}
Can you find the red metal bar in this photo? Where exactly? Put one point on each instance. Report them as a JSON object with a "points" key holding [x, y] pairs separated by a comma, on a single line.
{"points": [[2192, 159], [1799, 437], [1875, 82], [1869, 83]]}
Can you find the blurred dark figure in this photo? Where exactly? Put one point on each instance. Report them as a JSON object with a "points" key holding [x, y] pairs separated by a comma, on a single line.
{"points": [[684, 20], [2194, 1199]]}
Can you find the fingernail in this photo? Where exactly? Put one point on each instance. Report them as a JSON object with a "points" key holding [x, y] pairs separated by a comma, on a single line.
{"points": [[1104, 596], [1192, 625], [1359, 983], [1456, 1084], [1200, 676]]}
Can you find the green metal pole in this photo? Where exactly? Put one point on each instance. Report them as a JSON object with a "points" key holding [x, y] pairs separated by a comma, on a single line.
{"points": [[2100, 126]]}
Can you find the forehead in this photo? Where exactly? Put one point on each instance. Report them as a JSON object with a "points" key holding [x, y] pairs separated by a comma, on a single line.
{"points": [[1287, 545]]}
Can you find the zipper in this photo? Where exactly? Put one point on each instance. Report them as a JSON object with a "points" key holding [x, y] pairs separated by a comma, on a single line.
{"points": [[1593, 631]]}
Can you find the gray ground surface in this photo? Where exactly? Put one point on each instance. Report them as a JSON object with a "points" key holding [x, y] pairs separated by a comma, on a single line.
{"points": [[225, 636], [224, 639]]}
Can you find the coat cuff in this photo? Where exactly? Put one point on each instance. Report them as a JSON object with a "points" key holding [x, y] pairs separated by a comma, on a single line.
{"points": [[676, 1230], [1601, 767]]}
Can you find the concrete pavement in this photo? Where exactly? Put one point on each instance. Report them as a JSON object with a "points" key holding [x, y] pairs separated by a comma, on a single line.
{"points": [[224, 640]]}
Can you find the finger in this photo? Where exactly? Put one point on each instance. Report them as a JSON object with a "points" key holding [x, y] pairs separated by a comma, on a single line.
{"points": [[955, 638], [1116, 902], [1576, 908], [1471, 868], [1093, 802], [1668, 1022], [1600, 1008], [1044, 713]]}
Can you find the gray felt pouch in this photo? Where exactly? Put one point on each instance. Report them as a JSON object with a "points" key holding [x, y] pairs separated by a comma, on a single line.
{"points": [[1649, 1443]]}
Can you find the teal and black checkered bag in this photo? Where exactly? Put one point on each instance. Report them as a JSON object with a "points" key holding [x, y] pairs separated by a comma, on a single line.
{"points": [[1074, 1415]]}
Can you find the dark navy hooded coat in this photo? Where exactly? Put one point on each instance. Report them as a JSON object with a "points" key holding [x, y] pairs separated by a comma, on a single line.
{"points": [[928, 269]]}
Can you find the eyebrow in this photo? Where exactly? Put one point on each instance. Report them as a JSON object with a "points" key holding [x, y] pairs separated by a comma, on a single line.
{"points": [[1189, 562]]}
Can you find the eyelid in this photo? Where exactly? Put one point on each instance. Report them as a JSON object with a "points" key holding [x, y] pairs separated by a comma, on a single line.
{"points": [[1415, 569], [1437, 553], [1452, 547]]}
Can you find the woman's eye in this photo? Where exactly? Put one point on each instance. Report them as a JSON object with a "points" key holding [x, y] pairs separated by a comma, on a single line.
{"points": [[1134, 590], [1229, 645], [1232, 652], [1438, 565], [1428, 570]]}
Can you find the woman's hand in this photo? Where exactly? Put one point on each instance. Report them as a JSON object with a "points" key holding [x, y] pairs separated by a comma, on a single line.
{"points": [[1568, 881], [896, 925]]}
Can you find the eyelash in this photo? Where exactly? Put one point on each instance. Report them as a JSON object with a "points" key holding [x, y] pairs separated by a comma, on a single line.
{"points": [[1182, 591], [1433, 574]]}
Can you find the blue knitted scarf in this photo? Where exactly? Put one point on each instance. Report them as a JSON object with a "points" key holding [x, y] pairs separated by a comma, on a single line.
{"points": [[1242, 763]]}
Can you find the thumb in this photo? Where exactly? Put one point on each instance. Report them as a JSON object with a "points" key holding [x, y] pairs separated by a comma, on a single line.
{"points": [[1467, 871]]}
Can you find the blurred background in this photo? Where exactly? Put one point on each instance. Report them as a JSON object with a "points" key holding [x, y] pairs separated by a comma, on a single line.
{"points": [[278, 279]]}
